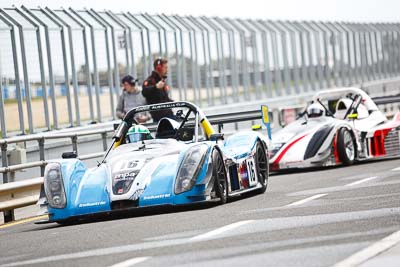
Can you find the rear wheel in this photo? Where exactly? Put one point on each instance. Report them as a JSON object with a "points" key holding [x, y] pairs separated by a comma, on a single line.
{"points": [[220, 188], [262, 167], [346, 147]]}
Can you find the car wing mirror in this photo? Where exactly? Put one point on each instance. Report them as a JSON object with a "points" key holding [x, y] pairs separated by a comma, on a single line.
{"points": [[185, 134], [256, 127], [69, 155], [353, 116], [217, 136]]}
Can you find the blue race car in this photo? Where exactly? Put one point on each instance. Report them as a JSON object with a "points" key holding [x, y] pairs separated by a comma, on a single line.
{"points": [[186, 162]]}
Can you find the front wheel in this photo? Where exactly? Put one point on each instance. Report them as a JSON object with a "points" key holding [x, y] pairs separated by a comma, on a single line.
{"points": [[262, 166], [220, 187], [346, 147]]}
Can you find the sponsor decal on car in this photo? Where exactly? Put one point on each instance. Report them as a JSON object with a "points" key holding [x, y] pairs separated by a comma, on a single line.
{"points": [[157, 196], [91, 204]]}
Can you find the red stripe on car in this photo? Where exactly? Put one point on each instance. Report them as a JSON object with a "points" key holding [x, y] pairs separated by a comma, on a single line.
{"points": [[335, 150], [287, 148]]}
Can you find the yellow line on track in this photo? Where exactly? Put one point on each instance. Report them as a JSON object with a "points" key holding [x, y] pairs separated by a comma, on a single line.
{"points": [[32, 219]]}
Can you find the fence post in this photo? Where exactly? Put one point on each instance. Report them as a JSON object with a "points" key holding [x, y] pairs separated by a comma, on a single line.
{"points": [[41, 66], [2, 115], [159, 26], [142, 43], [87, 67], [317, 42], [65, 61], [178, 63], [24, 68], [325, 50], [41, 154], [244, 63], [126, 27], [278, 85], [193, 58], [304, 37], [104, 138], [142, 26], [74, 141], [8, 214], [207, 51], [158, 31], [265, 50], [333, 42], [105, 24], [49, 66], [220, 59], [295, 68], [73, 69], [183, 59], [342, 66], [16, 73], [232, 57], [285, 56], [256, 70], [95, 71]]}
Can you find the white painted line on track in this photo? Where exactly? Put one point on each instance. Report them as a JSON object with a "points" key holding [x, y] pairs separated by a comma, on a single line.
{"points": [[371, 251], [396, 169], [220, 230], [362, 181], [131, 262], [305, 200]]}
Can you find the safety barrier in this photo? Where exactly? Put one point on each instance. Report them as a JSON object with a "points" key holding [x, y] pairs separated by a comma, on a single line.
{"points": [[63, 67]]}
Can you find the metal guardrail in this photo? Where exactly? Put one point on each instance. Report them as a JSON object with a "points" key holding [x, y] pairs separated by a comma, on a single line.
{"points": [[24, 193], [20, 194]]}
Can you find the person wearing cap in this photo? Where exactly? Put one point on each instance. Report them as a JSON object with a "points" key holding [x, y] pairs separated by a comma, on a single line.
{"points": [[156, 89], [131, 97]]}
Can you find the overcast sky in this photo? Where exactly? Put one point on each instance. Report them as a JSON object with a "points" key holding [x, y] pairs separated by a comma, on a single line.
{"points": [[343, 10]]}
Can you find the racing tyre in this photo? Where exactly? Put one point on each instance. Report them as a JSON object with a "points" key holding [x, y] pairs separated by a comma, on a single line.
{"points": [[220, 188], [346, 147], [262, 167]]}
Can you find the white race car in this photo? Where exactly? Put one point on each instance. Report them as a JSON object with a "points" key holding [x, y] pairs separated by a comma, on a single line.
{"points": [[340, 126]]}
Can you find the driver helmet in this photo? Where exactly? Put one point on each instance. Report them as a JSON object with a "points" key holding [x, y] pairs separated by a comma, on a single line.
{"points": [[138, 133], [315, 110]]}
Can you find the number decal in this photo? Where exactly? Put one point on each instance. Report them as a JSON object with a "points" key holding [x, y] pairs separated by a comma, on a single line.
{"points": [[252, 172]]}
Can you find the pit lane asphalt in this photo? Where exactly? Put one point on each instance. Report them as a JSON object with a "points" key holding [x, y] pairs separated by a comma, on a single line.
{"points": [[307, 218]]}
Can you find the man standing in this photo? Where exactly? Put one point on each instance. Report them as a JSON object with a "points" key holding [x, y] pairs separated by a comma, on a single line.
{"points": [[131, 97], [156, 89]]}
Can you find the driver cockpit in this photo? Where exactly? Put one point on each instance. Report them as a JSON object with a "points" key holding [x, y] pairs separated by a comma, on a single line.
{"points": [[167, 128], [342, 109]]}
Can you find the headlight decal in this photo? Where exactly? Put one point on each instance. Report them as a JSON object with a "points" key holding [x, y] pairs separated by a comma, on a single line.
{"points": [[190, 168], [54, 186]]}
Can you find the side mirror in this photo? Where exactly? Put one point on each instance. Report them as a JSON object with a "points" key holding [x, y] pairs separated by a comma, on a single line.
{"points": [[352, 116], [256, 127], [69, 155], [185, 134], [216, 137]]}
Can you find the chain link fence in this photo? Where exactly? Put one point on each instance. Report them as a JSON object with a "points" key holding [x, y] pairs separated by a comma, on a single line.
{"points": [[61, 68]]}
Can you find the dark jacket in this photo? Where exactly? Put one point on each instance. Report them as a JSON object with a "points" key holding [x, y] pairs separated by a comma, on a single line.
{"points": [[154, 95]]}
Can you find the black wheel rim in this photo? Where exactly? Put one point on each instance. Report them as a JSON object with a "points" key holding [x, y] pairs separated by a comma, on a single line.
{"points": [[219, 189], [221, 176], [262, 164]]}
